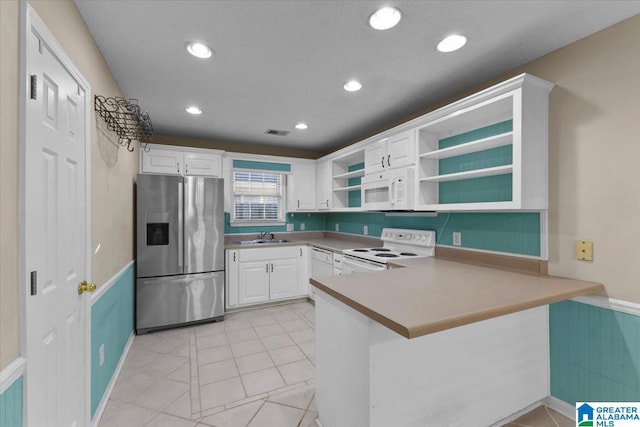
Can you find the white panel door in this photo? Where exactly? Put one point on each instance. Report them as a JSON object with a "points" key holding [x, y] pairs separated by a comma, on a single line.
{"points": [[253, 282], [55, 242], [283, 282]]}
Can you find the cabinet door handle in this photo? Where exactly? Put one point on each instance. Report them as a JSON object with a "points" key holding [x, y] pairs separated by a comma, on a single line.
{"points": [[178, 167], [389, 160], [298, 203], [300, 251], [327, 203], [272, 267], [234, 257], [382, 161], [267, 268], [186, 168]]}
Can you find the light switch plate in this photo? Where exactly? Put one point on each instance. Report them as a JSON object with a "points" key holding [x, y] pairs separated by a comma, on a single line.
{"points": [[289, 227], [584, 250], [365, 230], [101, 355], [337, 227], [302, 226]]}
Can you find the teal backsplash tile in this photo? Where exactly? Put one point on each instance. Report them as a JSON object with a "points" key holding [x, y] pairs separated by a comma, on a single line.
{"points": [[485, 189], [594, 353], [517, 233], [11, 404]]}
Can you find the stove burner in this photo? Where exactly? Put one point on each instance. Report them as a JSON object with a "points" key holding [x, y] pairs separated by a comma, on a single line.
{"points": [[408, 254], [361, 250], [387, 255], [380, 249]]}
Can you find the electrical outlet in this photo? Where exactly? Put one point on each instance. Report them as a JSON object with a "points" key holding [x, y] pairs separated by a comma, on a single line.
{"points": [[337, 227], [289, 227], [365, 230], [102, 355], [457, 238], [302, 227]]}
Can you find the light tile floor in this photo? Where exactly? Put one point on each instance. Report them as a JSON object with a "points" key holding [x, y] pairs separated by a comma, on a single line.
{"points": [[542, 417], [257, 368], [254, 369]]}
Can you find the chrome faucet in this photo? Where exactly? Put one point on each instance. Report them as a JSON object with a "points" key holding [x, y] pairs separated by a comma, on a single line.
{"points": [[264, 234]]}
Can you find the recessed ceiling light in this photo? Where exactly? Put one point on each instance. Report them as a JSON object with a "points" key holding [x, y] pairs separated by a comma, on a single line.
{"points": [[385, 18], [193, 110], [199, 50], [451, 43], [301, 126], [352, 86]]}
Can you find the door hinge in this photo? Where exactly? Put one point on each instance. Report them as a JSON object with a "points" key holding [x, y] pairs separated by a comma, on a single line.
{"points": [[34, 87], [34, 283]]}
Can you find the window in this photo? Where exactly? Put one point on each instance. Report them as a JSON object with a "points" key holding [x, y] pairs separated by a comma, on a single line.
{"points": [[258, 197]]}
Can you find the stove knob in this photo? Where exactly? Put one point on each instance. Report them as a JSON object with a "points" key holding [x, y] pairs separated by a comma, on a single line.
{"points": [[408, 236]]}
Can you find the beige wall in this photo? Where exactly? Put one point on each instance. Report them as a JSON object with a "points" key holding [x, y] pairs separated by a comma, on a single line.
{"points": [[113, 170], [9, 338]]}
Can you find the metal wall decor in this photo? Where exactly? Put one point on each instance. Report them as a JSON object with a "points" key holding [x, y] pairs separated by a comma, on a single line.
{"points": [[126, 119]]}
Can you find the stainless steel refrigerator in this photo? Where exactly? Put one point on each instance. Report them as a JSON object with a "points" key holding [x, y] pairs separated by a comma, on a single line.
{"points": [[180, 251]]}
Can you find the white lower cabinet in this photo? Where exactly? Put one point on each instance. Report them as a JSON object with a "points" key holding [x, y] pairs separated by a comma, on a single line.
{"points": [[256, 275]]}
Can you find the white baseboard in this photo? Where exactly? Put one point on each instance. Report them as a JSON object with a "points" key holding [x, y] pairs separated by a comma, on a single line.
{"points": [[107, 393], [610, 304], [560, 406], [517, 415], [11, 373]]}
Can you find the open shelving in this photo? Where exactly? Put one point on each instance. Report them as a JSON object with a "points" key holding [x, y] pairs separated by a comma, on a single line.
{"points": [[486, 151], [347, 172]]}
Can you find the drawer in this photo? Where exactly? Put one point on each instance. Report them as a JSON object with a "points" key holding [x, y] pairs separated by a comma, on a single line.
{"points": [[266, 253]]}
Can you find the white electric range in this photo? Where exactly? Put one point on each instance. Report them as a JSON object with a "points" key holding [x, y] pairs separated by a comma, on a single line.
{"points": [[398, 244]]}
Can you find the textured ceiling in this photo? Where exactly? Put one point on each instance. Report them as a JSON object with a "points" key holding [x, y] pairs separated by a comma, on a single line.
{"points": [[280, 62]]}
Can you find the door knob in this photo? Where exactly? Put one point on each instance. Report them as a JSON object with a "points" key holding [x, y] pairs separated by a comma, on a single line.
{"points": [[86, 287]]}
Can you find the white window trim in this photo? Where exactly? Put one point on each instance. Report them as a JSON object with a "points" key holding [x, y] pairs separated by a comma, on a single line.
{"points": [[260, 223]]}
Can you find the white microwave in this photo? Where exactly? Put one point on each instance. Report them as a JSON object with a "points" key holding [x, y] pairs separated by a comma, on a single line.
{"points": [[388, 190]]}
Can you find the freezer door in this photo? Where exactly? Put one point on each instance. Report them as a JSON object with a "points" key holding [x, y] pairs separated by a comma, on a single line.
{"points": [[203, 224], [159, 228], [169, 301]]}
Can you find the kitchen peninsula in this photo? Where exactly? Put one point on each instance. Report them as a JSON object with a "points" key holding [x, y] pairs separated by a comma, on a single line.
{"points": [[436, 343]]}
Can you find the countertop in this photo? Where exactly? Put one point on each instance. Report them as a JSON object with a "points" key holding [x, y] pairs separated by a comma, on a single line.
{"points": [[334, 242], [431, 295]]}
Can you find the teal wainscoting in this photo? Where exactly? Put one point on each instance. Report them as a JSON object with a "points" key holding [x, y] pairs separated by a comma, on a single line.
{"points": [[11, 405], [111, 326], [594, 353], [510, 232]]}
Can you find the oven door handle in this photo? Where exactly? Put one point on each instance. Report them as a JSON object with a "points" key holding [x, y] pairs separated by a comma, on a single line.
{"points": [[359, 263]]}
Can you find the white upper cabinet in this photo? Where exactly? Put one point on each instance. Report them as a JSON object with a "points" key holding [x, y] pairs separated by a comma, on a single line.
{"points": [[393, 152], [172, 160], [323, 185], [487, 151], [304, 188], [202, 164]]}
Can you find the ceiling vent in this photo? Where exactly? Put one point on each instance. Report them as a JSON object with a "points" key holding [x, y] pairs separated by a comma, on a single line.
{"points": [[277, 132]]}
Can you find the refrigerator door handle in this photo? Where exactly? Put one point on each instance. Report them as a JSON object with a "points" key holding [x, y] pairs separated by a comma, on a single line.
{"points": [[180, 225]]}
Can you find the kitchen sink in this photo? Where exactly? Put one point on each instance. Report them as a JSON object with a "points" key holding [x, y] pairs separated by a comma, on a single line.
{"points": [[260, 241]]}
